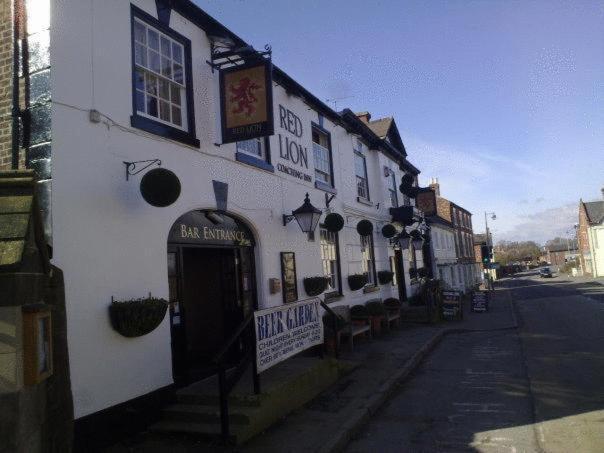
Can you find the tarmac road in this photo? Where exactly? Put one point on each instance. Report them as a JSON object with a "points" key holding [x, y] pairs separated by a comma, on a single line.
{"points": [[539, 388]]}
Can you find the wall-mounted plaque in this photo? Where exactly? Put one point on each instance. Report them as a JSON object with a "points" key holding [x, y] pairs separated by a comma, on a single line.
{"points": [[246, 101], [288, 276]]}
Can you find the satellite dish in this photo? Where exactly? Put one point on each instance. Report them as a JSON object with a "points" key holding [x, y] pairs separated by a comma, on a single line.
{"points": [[160, 187]]}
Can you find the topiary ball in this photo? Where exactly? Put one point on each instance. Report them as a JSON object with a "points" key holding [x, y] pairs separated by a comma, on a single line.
{"points": [[365, 227], [388, 230], [334, 222]]}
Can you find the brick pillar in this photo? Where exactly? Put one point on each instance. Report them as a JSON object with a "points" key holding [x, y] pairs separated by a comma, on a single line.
{"points": [[6, 85]]}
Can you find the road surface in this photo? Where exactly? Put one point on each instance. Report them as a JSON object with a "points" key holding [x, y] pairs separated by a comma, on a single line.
{"points": [[538, 388]]}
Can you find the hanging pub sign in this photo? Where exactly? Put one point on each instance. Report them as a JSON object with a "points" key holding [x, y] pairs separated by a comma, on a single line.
{"points": [[246, 101]]}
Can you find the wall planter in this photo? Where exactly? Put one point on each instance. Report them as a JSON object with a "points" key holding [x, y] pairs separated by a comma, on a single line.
{"points": [[333, 222], [364, 228], [412, 273], [359, 313], [422, 272], [385, 277], [315, 285], [388, 230], [377, 313], [357, 281], [137, 317]]}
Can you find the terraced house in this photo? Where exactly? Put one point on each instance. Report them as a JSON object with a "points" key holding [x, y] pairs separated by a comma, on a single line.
{"points": [[152, 182]]}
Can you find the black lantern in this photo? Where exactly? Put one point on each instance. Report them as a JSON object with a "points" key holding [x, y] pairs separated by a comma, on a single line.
{"points": [[404, 239], [417, 239], [306, 215]]}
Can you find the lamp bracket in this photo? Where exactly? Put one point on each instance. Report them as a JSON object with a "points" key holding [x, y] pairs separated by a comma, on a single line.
{"points": [[328, 199], [131, 167], [226, 56], [287, 219]]}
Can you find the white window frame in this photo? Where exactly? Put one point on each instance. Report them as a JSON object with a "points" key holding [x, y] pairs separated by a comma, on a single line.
{"points": [[392, 190], [142, 57], [368, 258], [362, 183], [260, 142], [329, 258], [322, 158]]}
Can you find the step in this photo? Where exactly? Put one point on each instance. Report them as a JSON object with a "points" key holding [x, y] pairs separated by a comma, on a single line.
{"points": [[235, 400], [207, 414], [205, 430]]}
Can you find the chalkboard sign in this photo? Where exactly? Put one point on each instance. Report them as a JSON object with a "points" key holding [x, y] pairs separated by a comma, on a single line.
{"points": [[480, 301], [288, 277], [452, 307]]}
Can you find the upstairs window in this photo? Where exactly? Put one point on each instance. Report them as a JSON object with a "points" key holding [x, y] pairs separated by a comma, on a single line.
{"points": [[322, 154], [360, 169], [254, 147], [161, 81]]}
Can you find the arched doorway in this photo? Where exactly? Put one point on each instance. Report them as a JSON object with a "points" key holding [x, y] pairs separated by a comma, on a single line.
{"points": [[212, 288]]}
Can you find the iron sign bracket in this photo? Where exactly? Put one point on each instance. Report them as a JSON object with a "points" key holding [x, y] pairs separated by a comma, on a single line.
{"points": [[132, 169]]}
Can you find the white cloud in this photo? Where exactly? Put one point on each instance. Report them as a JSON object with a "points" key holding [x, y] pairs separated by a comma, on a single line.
{"points": [[543, 225]]}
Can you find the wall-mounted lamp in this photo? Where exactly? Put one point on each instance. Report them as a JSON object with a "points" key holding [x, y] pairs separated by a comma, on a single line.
{"points": [[404, 239], [417, 239], [306, 215]]}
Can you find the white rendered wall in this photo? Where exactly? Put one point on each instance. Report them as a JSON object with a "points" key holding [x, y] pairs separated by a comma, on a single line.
{"points": [[109, 242]]}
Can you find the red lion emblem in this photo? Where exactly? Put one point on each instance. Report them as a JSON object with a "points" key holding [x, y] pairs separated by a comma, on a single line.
{"points": [[243, 95]]}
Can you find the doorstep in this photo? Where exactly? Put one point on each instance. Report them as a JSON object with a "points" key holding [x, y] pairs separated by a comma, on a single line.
{"points": [[284, 388]]}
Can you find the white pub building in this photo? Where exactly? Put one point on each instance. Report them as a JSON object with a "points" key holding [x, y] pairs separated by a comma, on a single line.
{"points": [[153, 192]]}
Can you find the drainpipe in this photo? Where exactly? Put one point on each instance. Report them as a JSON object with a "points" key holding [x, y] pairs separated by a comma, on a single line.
{"points": [[17, 14]]}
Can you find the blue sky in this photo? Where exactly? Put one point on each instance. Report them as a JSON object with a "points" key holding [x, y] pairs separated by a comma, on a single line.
{"points": [[502, 101]]}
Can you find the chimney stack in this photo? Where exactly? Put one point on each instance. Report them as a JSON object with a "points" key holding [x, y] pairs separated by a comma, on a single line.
{"points": [[365, 117], [435, 186]]}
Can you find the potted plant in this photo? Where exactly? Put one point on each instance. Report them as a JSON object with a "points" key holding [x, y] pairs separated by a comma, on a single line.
{"points": [[357, 281], [377, 314], [137, 317], [385, 277], [315, 285], [412, 273], [331, 335], [392, 304]]}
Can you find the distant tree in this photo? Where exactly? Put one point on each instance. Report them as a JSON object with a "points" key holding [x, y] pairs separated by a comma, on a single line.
{"points": [[508, 252]]}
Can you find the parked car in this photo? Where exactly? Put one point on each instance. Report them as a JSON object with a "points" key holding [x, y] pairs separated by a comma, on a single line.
{"points": [[545, 272]]}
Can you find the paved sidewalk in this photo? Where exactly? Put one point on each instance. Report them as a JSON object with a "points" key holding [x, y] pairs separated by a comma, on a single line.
{"points": [[327, 423]]}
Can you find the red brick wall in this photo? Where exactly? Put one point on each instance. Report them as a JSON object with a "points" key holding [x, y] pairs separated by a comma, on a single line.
{"points": [[426, 202], [6, 71], [582, 237], [443, 208]]}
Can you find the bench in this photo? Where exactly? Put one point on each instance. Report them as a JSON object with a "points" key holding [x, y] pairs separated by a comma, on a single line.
{"points": [[393, 316], [352, 328]]}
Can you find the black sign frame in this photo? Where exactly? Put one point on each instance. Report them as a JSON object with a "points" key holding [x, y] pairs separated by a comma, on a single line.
{"points": [[253, 130], [288, 259]]}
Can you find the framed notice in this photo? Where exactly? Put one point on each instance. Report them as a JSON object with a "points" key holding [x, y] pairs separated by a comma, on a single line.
{"points": [[288, 277], [246, 101]]}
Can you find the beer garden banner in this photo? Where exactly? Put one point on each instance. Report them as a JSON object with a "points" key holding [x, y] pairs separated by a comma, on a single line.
{"points": [[284, 331], [246, 101]]}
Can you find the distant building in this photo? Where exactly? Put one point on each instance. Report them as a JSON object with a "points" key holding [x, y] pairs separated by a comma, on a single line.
{"points": [[591, 237], [466, 273], [560, 254]]}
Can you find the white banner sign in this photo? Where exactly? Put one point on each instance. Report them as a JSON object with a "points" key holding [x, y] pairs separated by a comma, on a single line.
{"points": [[284, 331]]}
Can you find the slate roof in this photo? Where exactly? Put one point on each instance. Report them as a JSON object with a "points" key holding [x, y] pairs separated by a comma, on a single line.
{"points": [[381, 127], [595, 211], [16, 200], [480, 238]]}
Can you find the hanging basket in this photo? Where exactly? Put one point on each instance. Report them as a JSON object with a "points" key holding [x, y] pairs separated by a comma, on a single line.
{"points": [[137, 317], [385, 277], [412, 192], [406, 183], [388, 230], [334, 222], [365, 227], [357, 281], [315, 285]]}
